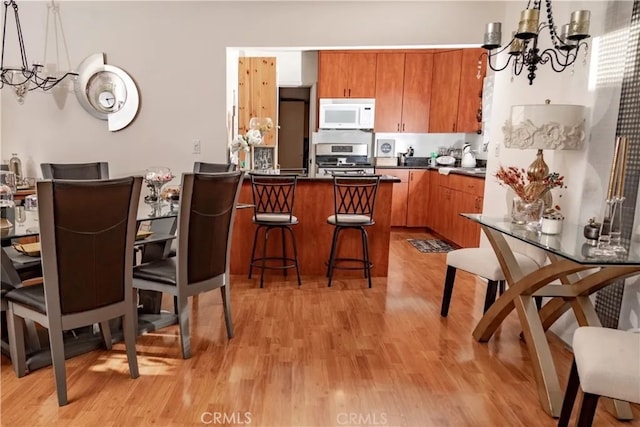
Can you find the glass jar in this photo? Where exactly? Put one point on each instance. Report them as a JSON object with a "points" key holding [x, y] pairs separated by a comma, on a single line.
{"points": [[526, 213], [15, 166]]}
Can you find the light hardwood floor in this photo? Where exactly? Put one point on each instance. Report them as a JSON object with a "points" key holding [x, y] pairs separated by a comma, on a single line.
{"points": [[310, 356]]}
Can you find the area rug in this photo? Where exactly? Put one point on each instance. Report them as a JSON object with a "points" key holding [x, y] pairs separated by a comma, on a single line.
{"points": [[430, 245]]}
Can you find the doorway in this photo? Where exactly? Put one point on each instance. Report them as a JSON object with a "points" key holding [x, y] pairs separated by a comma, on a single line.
{"points": [[293, 134]]}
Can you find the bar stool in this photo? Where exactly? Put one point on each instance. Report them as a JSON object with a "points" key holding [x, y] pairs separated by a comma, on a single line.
{"points": [[354, 200], [273, 199]]}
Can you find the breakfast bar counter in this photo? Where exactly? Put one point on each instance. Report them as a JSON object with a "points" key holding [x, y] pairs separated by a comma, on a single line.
{"points": [[313, 204]]}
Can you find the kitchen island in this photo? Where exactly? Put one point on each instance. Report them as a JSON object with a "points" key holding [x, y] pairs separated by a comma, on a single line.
{"points": [[313, 204]]}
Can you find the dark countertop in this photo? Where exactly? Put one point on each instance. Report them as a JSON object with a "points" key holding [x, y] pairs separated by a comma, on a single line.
{"points": [[475, 172]]}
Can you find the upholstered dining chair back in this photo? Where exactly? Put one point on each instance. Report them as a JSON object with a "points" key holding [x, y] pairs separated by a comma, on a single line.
{"points": [[355, 195], [203, 167], [205, 224], [75, 171], [87, 257]]}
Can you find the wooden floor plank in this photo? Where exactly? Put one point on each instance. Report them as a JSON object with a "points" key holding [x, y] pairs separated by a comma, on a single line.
{"points": [[310, 356]]}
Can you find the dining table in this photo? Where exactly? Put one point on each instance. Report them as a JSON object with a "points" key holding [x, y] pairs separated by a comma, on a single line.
{"points": [[576, 268]]}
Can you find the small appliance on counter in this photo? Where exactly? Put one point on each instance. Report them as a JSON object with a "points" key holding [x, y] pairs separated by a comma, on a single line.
{"points": [[468, 158], [385, 152]]}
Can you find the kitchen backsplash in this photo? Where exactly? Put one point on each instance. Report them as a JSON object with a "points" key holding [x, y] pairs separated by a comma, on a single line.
{"points": [[426, 143]]}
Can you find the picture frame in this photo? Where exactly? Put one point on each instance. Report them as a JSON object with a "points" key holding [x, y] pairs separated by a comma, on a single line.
{"points": [[263, 157]]}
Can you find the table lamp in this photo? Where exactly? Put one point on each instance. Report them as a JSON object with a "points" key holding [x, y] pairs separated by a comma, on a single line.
{"points": [[544, 127]]}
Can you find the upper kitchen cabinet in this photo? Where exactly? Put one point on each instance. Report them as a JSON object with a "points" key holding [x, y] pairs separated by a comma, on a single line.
{"points": [[346, 74], [456, 98], [403, 92], [445, 85], [470, 97]]}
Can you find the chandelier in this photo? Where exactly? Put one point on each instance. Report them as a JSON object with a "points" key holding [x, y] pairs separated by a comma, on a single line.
{"points": [[523, 50], [27, 77]]}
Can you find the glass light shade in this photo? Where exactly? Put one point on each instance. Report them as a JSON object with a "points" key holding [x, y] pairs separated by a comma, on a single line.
{"points": [[6, 196], [262, 124]]}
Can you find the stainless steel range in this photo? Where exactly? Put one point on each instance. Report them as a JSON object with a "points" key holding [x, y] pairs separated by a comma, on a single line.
{"points": [[345, 151], [351, 158]]}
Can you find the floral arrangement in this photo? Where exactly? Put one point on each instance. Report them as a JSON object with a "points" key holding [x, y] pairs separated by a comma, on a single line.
{"points": [[518, 180], [243, 142]]}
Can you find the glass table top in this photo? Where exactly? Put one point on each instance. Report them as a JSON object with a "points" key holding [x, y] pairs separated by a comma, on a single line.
{"points": [[570, 243]]}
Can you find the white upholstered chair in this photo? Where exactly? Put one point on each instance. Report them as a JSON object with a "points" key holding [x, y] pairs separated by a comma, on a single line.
{"points": [[484, 263], [606, 363]]}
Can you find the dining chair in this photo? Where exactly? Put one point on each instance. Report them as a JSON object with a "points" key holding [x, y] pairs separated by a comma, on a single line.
{"points": [[273, 201], [482, 262], [606, 363], [354, 202], [95, 170], [205, 224], [87, 256], [203, 167]]}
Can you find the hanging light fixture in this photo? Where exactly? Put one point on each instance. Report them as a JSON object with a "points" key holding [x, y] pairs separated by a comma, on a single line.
{"points": [[27, 77], [523, 50]]}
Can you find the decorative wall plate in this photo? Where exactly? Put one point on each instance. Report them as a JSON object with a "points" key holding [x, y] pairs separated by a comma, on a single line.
{"points": [[107, 92]]}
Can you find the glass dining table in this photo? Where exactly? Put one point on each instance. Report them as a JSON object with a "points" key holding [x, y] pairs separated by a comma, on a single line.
{"points": [[581, 268]]}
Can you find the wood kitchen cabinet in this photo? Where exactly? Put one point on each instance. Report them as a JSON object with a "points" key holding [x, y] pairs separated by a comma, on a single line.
{"points": [[470, 95], [456, 97], [346, 74], [445, 85], [410, 200], [403, 92], [455, 194]]}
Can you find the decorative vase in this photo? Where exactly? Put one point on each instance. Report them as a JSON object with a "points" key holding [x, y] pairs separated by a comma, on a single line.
{"points": [[526, 213]]}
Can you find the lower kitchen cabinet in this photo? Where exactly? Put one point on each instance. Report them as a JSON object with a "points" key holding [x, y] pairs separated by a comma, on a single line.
{"points": [[410, 201], [453, 195]]}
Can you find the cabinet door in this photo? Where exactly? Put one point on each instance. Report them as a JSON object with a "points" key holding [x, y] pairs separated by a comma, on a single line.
{"points": [[416, 99], [418, 199], [445, 85], [399, 198], [470, 97], [333, 68], [434, 200], [362, 75], [457, 222], [389, 83]]}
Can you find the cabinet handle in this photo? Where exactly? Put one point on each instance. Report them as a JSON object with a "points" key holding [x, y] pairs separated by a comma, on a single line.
{"points": [[344, 93], [403, 127], [453, 127], [349, 92], [398, 127]]}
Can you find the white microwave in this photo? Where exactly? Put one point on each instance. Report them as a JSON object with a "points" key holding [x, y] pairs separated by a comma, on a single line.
{"points": [[347, 113]]}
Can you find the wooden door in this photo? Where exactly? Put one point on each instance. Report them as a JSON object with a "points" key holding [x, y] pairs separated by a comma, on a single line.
{"points": [[332, 74], [418, 198], [291, 134], [470, 98], [399, 197], [362, 75], [389, 83], [416, 99], [445, 83]]}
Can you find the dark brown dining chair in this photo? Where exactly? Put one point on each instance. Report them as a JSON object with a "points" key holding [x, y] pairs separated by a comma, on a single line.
{"points": [[205, 225], [75, 171], [87, 257], [202, 167]]}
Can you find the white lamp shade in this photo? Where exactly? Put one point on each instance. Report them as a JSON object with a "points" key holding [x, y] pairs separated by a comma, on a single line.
{"points": [[545, 126]]}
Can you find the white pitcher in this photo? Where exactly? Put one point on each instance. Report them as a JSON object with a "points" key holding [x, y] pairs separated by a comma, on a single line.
{"points": [[468, 158]]}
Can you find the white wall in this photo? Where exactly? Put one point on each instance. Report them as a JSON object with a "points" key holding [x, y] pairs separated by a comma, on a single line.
{"points": [[176, 53]]}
